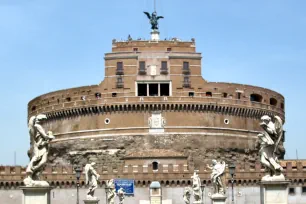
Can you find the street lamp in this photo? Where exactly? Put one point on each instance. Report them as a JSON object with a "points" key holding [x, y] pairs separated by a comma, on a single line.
{"points": [[78, 171], [202, 189], [232, 168]]}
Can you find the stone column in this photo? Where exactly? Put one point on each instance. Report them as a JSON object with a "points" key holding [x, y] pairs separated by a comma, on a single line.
{"points": [[36, 195], [91, 201], [218, 198], [274, 192]]}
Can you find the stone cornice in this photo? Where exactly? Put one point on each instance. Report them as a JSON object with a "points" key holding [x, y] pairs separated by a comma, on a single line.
{"points": [[226, 109]]}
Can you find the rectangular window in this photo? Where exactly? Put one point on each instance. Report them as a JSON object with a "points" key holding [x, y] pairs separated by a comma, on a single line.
{"points": [[142, 65], [169, 49], [186, 65], [153, 89], [164, 90], [119, 65], [135, 49], [164, 65], [142, 89], [238, 95]]}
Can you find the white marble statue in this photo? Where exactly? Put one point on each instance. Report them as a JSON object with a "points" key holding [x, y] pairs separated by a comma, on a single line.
{"points": [[218, 169], [121, 195], [269, 141], [40, 141], [111, 191], [91, 179], [196, 186], [187, 195]]}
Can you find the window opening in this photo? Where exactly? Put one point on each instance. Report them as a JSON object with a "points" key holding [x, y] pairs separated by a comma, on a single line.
{"points": [[142, 67], [153, 89], [224, 95], [155, 165], [282, 106], [169, 49], [186, 65], [191, 94], [273, 101], [114, 94], [98, 95], [238, 95], [255, 98], [164, 90], [119, 70], [135, 49], [142, 89], [209, 94], [68, 99], [164, 67]]}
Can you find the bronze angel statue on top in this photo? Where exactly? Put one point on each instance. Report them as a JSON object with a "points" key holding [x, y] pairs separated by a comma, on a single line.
{"points": [[270, 140], [153, 19]]}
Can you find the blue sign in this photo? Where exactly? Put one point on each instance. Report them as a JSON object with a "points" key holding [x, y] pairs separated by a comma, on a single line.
{"points": [[126, 184]]}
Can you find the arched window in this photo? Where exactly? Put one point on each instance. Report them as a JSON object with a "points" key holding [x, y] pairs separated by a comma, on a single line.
{"points": [[273, 101], [282, 106], [209, 94], [256, 98], [155, 165]]}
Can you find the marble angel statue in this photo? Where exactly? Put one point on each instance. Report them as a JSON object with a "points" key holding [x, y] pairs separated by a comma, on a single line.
{"points": [[111, 191], [121, 195], [269, 141], [218, 169], [196, 186], [40, 140], [92, 178], [187, 195]]}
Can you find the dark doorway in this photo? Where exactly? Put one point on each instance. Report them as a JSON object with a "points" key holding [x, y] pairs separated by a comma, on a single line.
{"points": [[164, 90], [142, 89], [153, 89]]}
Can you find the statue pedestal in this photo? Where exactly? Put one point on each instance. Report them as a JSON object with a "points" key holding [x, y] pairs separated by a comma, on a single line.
{"points": [[274, 192], [218, 198], [155, 35], [36, 195], [91, 201]]}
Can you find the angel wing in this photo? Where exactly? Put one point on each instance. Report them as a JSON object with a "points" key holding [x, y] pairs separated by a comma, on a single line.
{"points": [[148, 15], [221, 169], [278, 125], [279, 130], [158, 17], [31, 126], [87, 167]]}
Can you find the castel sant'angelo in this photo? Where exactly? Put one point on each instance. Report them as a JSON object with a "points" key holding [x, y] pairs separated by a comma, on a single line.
{"points": [[155, 106], [154, 117]]}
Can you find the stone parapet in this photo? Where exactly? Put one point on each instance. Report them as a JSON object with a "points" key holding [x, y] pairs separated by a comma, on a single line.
{"points": [[169, 175]]}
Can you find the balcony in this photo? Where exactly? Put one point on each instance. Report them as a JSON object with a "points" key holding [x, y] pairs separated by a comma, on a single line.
{"points": [[142, 71], [186, 71], [164, 71], [119, 72], [119, 84], [186, 84]]}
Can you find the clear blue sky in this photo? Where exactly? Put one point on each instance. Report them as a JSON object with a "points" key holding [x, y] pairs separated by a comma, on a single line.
{"points": [[54, 44]]}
